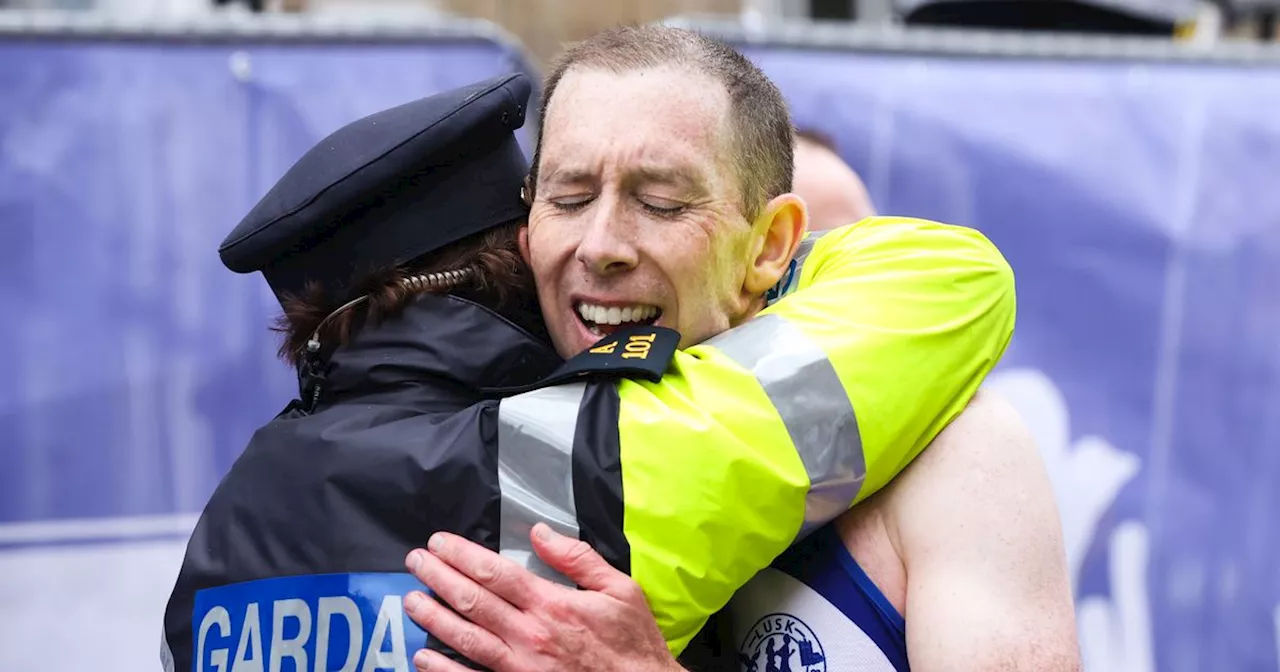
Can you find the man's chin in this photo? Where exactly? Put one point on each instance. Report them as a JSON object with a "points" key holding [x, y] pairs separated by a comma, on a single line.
{"points": [[571, 342], [582, 339], [578, 337]]}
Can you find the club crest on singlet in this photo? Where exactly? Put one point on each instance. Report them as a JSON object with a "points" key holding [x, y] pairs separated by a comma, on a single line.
{"points": [[781, 643]]}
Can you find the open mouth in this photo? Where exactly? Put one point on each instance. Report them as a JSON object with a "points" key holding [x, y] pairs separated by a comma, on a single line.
{"points": [[604, 320]]}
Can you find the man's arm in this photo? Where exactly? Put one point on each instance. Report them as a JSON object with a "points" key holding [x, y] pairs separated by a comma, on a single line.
{"points": [[975, 523]]}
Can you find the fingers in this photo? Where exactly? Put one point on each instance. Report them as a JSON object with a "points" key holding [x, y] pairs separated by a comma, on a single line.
{"points": [[500, 576], [426, 660], [466, 638], [577, 560], [473, 602]]}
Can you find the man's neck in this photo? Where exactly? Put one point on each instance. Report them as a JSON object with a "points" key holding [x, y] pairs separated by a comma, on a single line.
{"points": [[757, 304]]}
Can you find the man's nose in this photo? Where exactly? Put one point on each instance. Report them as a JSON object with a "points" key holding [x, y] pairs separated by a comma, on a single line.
{"points": [[607, 247]]}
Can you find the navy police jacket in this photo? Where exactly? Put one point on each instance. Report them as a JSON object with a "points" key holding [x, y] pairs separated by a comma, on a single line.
{"points": [[297, 560]]}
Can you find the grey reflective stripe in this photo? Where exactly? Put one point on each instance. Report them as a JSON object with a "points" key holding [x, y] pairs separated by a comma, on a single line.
{"points": [[805, 390], [535, 473], [791, 281], [802, 255], [166, 654], [806, 246]]}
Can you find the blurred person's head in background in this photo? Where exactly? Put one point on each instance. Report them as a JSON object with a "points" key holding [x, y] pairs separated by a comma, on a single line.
{"points": [[661, 187], [832, 191]]}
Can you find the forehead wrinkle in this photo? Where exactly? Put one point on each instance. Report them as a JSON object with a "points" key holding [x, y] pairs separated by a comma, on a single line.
{"points": [[679, 176], [572, 175]]}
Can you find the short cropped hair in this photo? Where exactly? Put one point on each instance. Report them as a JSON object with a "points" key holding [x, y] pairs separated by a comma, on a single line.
{"points": [[762, 135]]}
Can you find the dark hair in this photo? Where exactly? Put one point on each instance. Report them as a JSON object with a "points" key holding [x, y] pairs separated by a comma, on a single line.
{"points": [[499, 279], [816, 137], [762, 133]]}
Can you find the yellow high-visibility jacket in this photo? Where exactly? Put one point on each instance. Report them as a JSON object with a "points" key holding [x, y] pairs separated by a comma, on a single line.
{"points": [[763, 433]]}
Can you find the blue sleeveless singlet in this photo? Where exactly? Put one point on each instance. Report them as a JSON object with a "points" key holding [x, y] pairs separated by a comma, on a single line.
{"points": [[815, 610]]}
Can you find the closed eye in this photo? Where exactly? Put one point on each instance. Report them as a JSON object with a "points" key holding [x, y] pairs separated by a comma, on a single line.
{"points": [[663, 212], [570, 206]]}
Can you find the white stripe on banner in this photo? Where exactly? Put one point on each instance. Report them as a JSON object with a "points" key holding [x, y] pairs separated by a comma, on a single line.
{"points": [[1277, 632], [94, 529]]}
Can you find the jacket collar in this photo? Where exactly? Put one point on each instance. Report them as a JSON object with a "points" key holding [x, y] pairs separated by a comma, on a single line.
{"points": [[441, 339]]}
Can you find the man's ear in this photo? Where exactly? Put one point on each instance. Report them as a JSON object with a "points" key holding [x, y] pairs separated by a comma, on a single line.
{"points": [[778, 231], [526, 191], [522, 241]]}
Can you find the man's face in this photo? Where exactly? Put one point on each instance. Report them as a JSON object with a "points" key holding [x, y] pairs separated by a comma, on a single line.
{"points": [[637, 216]]}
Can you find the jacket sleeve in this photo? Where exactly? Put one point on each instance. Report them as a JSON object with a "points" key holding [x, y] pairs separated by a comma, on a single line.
{"points": [[766, 432]]}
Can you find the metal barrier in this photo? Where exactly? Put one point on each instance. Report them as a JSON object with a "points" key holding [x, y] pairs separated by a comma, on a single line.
{"points": [[1130, 182], [276, 27], [949, 43]]}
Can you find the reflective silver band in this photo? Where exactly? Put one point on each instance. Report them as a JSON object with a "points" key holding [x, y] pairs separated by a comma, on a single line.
{"points": [[166, 653], [535, 472], [803, 250], [806, 392], [791, 281]]}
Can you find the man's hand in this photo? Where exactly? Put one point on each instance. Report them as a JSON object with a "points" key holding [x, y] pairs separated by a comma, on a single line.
{"points": [[510, 620]]}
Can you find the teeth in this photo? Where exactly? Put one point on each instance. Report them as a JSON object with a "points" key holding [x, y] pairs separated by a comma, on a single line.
{"points": [[615, 315]]}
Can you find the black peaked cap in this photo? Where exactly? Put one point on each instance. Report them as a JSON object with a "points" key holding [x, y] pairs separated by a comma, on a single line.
{"points": [[389, 188]]}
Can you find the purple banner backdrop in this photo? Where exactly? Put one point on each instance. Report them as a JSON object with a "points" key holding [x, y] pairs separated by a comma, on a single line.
{"points": [[1136, 203], [1139, 208], [135, 365]]}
